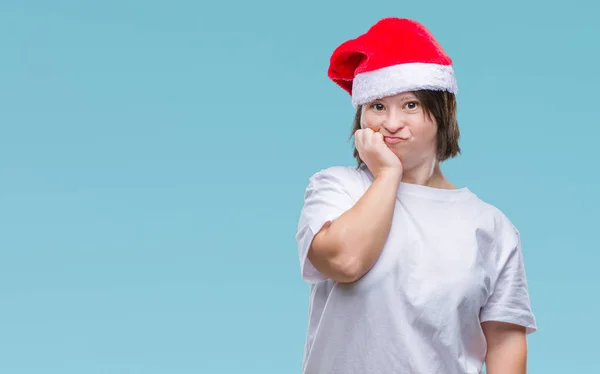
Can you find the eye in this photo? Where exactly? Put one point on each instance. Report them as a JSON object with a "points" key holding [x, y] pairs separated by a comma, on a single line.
{"points": [[378, 107], [411, 105]]}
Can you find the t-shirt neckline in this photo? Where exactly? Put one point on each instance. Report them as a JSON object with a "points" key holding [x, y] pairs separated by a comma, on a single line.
{"points": [[427, 191]]}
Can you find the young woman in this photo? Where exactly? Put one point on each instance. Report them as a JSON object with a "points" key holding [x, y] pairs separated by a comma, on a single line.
{"points": [[408, 273]]}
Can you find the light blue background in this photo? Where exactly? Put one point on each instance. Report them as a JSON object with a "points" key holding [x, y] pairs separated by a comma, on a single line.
{"points": [[154, 157]]}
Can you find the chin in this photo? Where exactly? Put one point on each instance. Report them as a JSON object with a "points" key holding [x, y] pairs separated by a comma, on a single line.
{"points": [[402, 154], [409, 159]]}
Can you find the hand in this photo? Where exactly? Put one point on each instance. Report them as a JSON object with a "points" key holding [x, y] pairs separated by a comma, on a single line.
{"points": [[375, 153]]}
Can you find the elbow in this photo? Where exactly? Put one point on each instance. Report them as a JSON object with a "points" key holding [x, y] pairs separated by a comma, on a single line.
{"points": [[346, 269], [336, 261]]}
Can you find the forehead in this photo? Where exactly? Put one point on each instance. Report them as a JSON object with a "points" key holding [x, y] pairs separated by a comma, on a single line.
{"points": [[399, 97]]}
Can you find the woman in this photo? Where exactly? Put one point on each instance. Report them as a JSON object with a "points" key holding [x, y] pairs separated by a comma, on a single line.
{"points": [[408, 273]]}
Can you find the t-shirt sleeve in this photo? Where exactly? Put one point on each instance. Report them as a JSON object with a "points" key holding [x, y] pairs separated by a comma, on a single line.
{"points": [[326, 197], [509, 300]]}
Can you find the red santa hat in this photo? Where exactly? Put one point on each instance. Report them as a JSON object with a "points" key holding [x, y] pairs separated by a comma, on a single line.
{"points": [[395, 55]]}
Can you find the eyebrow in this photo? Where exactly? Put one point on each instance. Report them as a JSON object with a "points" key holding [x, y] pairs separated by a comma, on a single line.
{"points": [[408, 96], [402, 97]]}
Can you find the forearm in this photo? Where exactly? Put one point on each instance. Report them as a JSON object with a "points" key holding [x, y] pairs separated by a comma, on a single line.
{"points": [[348, 248]]}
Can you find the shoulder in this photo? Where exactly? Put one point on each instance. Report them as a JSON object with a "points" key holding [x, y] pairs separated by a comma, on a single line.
{"points": [[494, 223], [351, 179], [341, 173]]}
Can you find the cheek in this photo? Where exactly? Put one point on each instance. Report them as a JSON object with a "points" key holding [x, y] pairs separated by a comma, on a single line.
{"points": [[369, 121], [431, 133], [364, 123], [426, 130]]}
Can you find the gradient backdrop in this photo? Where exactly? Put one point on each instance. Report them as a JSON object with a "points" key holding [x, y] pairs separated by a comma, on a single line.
{"points": [[154, 156]]}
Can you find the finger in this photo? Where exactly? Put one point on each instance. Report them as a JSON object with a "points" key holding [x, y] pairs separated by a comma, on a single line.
{"points": [[358, 139], [365, 137], [378, 138], [368, 138]]}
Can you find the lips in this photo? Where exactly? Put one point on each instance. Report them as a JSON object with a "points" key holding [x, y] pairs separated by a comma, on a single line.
{"points": [[393, 139]]}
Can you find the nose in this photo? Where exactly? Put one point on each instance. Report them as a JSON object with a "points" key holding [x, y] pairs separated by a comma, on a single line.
{"points": [[394, 122]]}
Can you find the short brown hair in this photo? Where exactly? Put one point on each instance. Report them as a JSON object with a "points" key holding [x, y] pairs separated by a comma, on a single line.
{"points": [[441, 105]]}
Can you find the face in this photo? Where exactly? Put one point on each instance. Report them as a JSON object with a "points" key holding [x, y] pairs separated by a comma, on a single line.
{"points": [[408, 131]]}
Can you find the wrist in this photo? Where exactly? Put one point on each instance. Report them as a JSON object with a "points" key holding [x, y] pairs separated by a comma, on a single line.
{"points": [[390, 173]]}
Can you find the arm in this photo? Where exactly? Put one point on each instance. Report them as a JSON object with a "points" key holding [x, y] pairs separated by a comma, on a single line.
{"points": [[506, 317], [507, 348], [346, 249]]}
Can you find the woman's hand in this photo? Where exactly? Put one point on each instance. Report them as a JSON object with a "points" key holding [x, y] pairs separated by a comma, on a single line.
{"points": [[375, 153]]}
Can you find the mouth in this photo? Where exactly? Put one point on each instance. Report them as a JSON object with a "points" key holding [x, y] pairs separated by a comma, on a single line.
{"points": [[393, 139]]}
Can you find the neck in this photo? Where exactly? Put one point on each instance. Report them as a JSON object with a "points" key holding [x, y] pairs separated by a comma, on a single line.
{"points": [[427, 174]]}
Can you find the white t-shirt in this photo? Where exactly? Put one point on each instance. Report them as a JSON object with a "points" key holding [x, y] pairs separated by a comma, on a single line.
{"points": [[451, 261]]}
